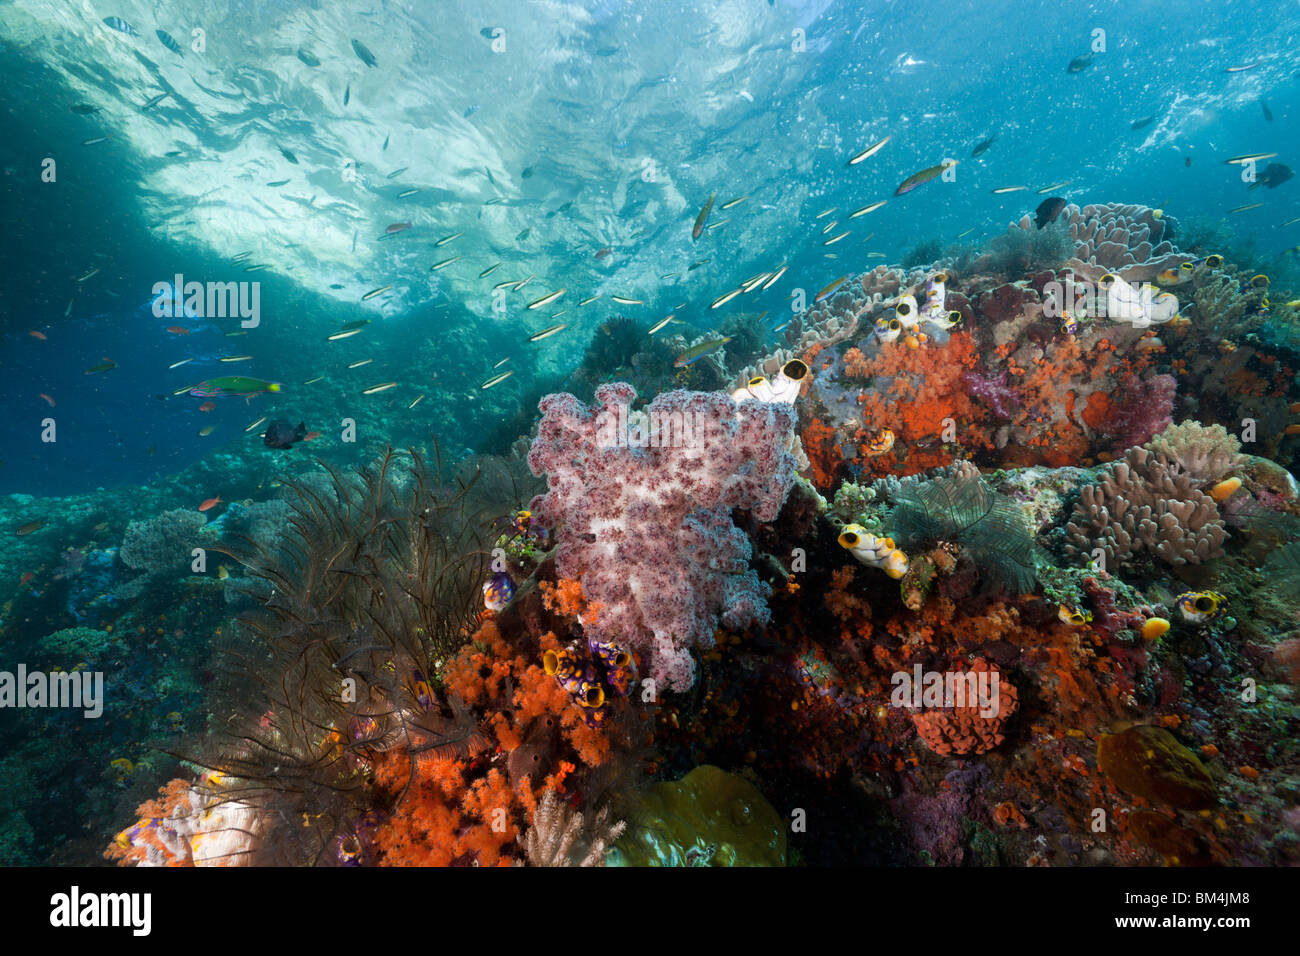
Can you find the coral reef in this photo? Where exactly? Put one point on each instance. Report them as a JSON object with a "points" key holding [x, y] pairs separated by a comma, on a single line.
{"points": [[682, 636]]}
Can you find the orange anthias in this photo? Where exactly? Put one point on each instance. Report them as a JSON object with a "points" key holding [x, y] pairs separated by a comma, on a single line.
{"points": [[210, 503]]}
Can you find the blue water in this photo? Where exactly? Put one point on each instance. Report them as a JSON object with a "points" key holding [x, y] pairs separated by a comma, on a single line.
{"points": [[596, 126]]}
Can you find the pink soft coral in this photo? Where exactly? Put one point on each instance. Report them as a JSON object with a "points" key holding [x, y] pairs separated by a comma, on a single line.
{"points": [[642, 515]]}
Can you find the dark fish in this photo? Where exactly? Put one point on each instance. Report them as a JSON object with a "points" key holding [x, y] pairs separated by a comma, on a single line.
{"points": [[1079, 63], [1274, 175], [121, 26], [167, 40], [366, 56], [386, 138], [85, 109], [275, 184], [347, 94], [1144, 121], [307, 57], [524, 234], [983, 146], [489, 32], [1268, 113], [527, 173], [288, 154], [283, 435], [1048, 210], [1187, 161], [470, 111]]}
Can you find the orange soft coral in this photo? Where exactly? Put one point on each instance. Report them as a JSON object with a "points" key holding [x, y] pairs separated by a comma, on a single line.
{"points": [[923, 394], [133, 845], [856, 364], [823, 452], [440, 819], [565, 598], [482, 670]]}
